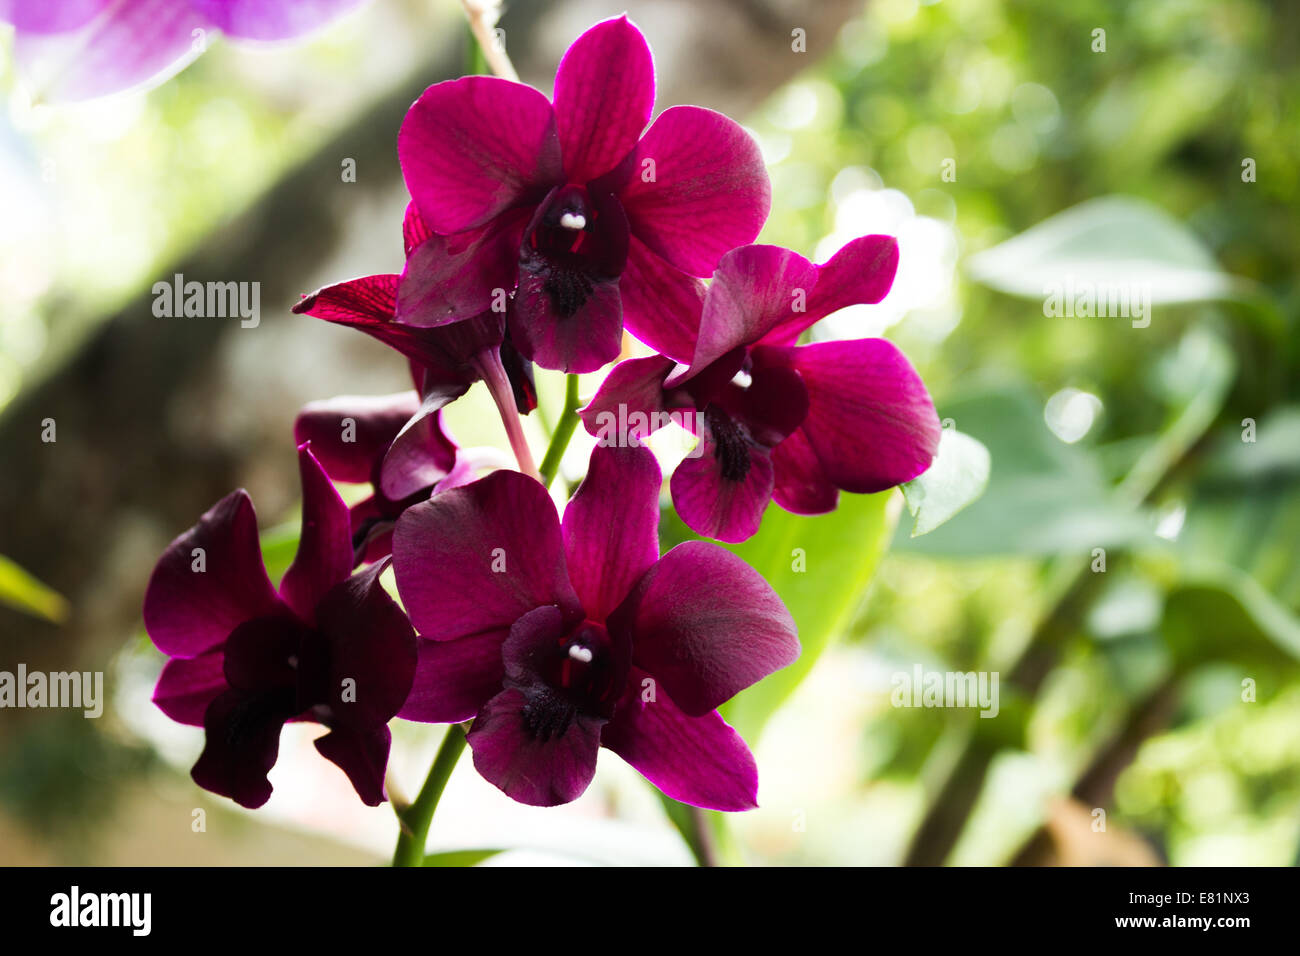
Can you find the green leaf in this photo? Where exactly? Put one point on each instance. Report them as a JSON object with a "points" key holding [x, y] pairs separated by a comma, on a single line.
{"points": [[460, 857], [20, 590], [821, 566], [1218, 613], [957, 476], [1044, 497], [1110, 242], [279, 545]]}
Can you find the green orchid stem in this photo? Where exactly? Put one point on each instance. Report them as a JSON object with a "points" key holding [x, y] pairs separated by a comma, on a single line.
{"points": [[563, 431], [416, 818]]}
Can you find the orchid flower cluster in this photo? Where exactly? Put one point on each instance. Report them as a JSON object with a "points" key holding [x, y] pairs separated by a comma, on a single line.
{"points": [[539, 232]]}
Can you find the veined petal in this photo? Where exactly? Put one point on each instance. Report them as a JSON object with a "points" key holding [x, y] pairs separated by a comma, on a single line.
{"points": [[661, 303], [696, 188], [472, 148], [801, 485], [611, 527], [630, 402], [362, 755], [324, 555], [187, 685], [128, 44], [604, 93], [350, 434], [861, 273], [371, 651], [706, 625], [453, 679], [696, 760], [421, 455], [723, 489], [541, 770], [479, 557], [449, 278], [870, 419], [208, 581]]}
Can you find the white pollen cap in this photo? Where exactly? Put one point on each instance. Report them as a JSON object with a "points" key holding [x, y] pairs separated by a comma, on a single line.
{"points": [[580, 653], [572, 220]]}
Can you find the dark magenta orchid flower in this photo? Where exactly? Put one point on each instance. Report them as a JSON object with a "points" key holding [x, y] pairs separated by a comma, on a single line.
{"points": [[559, 638], [81, 49], [330, 646], [592, 224], [393, 444], [779, 421]]}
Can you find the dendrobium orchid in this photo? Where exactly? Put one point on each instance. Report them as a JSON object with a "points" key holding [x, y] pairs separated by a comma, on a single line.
{"points": [[330, 646], [593, 225], [391, 443], [445, 362], [779, 421], [81, 49], [559, 638]]}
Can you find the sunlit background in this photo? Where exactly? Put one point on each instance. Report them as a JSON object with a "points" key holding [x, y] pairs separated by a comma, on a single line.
{"points": [[1163, 690]]}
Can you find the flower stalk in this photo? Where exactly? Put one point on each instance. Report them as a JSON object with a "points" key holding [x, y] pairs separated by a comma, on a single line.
{"points": [[416, 818], [563, 433]]}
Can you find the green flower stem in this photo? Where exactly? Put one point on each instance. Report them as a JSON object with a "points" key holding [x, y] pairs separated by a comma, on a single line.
{"points": [[563, 431], [416, 818]]}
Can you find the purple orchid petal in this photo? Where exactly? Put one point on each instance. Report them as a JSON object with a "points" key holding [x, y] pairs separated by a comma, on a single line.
{"points": [[706, 625], [421, 455], [449, 278], [723, 492], [567, 343], [350, 434], [755, 289], [186, 686], [801, 485], [242, 733], [541, 770], [42, 16], [604, 94], [362, 755], [368, 304], [414, 229], [270, 19], [260, 654], [478, 558], [453, 679], [870, 419], [130, 43], [661, 303], [696, 760], [611, 527], [472, 148], [861, 273], [706, 192], [567, 313], [630, 402], [208, 581], [324, 555], [370, 649]]}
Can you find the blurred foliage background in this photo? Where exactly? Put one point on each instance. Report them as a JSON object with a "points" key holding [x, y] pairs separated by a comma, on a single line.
{"points": [[1160, 695]]}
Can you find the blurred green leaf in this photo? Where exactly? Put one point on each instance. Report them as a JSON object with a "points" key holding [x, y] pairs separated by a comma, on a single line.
{"points": [[279, 545], [821, 566], [20, 590], [460, 857], [1220, 613], [958, 475], [1043, 496], [1111, 242]]}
